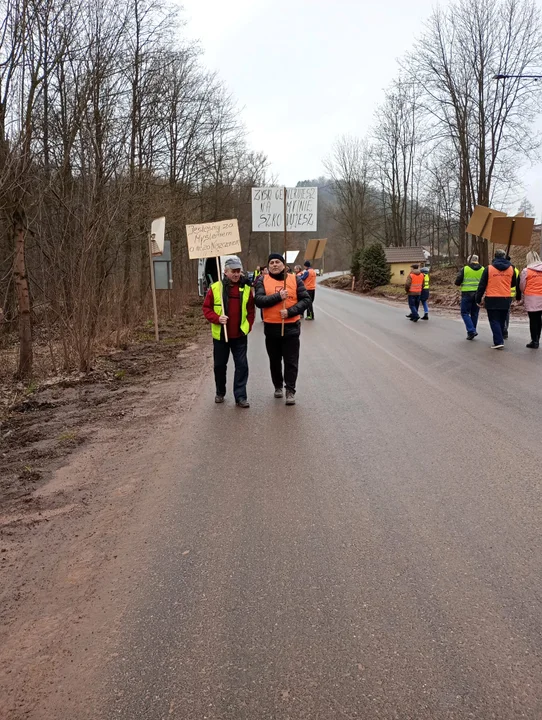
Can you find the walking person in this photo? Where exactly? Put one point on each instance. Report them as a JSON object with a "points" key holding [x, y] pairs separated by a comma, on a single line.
{"points": [[531, 292], [237, 318], [496, 284], [280, 305], [515, 294], [309, 279], [425, 293], [468, 279], [414, 287]]}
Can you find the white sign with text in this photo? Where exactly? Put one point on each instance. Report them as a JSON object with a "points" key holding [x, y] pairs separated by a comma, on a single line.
{"points": [[213, 239], [268, 209]]}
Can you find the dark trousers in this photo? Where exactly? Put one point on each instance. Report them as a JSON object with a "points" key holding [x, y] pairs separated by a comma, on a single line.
{"points": [[221, 354], [310, 310], [469, 311], [535, 325], [497, 320], [414, 304], [283, 349]]}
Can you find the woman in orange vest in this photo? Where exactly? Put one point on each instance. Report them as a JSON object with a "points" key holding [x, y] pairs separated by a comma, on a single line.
{"points": [[496, 284], [309, 280], [282, 306], [531, 289], [414, 287]]}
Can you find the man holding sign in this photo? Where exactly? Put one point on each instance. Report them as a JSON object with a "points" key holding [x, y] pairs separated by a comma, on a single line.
{"points": [[233, 310], [283, 299]]}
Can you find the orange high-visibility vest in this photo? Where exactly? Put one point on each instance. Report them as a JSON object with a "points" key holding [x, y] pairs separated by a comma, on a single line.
{"points": [[533, 282], [416, 284], [272, 286], [499, 282], [310, 282]]}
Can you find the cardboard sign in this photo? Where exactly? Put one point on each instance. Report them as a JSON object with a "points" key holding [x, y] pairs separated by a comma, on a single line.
{"points": [[268, 209], [481, 221], [315, 249], [158, 234], [213, 239], [513, 231]]}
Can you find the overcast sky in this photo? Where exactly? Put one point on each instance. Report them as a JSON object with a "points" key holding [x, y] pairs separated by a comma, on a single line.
{"points": [[307, 71]]}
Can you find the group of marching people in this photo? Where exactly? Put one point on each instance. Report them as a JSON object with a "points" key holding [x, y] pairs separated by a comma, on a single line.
{"points": [[229, 307], [494, 287]]}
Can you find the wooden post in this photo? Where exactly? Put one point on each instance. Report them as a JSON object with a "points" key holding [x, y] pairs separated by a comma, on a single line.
{"points": [[285, 250], [510, 238], [219, 270], [153, 289]]}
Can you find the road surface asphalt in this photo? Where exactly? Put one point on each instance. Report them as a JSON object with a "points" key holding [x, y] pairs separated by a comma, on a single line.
{"points": [[373, 552]]}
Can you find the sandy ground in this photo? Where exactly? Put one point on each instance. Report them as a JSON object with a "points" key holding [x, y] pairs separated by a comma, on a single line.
{"points": [[76, 471]]}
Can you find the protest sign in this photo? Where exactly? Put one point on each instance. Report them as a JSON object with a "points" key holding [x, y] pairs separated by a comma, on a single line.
{"points": [[213, 239], [268, 209], [315, 249]]}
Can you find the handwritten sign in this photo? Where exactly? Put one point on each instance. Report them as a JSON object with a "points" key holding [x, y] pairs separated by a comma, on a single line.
{"points": [[268, 209], [213, 239]]}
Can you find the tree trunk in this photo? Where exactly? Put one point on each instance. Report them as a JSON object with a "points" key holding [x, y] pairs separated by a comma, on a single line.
{"points": [[24, 369]]}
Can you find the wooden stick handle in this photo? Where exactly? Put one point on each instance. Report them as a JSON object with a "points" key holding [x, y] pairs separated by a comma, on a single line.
{"points": [[221, 295], [285, 251]]}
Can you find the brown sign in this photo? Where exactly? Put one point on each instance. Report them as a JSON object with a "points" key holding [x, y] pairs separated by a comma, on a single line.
{"points": [[513, 231], [481, 221], [315, 249]]}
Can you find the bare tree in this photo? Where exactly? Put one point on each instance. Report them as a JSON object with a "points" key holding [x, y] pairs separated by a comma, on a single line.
{"points": [[349, 166], [489, 124]]}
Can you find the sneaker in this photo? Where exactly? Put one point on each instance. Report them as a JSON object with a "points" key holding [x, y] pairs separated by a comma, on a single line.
{"points": [[425, 317], [242, 403], [279, 393], [472, 335], [413, 319], [219, 398], [533, 345], [409, 316], [290, 397], [497, 347]]}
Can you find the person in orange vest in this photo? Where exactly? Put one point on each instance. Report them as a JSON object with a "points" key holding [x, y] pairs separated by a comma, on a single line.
{"points": [[309, 280], [414, 287], [531, 289], [496, 284], [282, 305]]}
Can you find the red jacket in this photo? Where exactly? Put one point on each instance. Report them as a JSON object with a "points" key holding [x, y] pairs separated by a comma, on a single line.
{"points": [[232, 308]]}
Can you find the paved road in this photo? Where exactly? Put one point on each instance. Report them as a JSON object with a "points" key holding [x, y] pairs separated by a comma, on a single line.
{"points": [[373, 552]]}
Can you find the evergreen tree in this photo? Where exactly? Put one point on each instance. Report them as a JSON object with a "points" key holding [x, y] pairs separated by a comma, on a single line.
{"points": [[375, 271]]}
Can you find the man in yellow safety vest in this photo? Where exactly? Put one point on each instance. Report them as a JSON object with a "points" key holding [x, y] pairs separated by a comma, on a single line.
{"points": [[231, 314]]}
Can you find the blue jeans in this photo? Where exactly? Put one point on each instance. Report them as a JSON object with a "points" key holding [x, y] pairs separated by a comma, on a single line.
{"points": [[414, 304], [424, 298], [469, 311], [497, 320]]}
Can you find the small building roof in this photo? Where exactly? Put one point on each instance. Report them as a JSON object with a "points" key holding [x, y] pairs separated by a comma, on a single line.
{"points": [[404, 255]]}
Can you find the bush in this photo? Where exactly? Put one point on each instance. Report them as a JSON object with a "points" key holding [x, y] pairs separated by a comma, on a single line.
{"points": [[375, 271]]}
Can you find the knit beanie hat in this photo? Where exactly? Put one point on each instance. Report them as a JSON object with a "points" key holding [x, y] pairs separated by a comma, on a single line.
{"points": [[276, 256]]}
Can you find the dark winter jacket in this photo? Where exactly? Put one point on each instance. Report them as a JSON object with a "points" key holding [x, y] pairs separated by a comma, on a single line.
{"points": [[496, 303], [262, 300]]}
